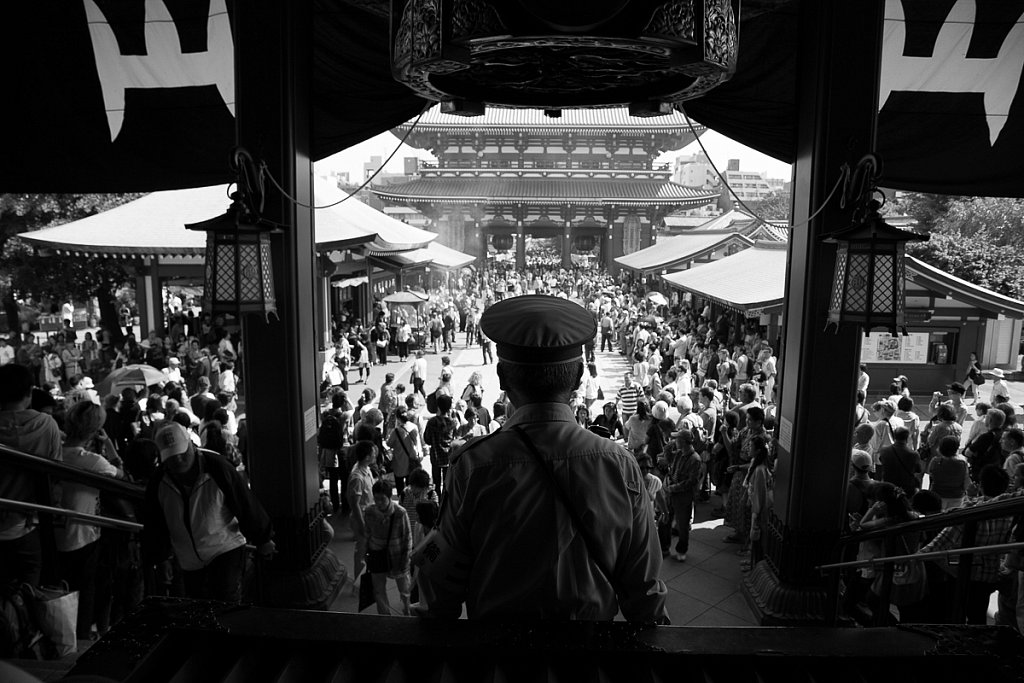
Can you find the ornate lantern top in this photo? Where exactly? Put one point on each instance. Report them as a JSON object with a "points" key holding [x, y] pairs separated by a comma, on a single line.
{"points": [[554, 55]]}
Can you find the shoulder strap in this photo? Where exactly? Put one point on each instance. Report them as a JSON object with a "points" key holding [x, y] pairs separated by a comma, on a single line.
{"points": [[588, 539], [401, 441]]}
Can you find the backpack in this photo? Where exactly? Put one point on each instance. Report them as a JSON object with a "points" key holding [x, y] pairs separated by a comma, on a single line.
{"points": [[329, 435], [432, 402]]}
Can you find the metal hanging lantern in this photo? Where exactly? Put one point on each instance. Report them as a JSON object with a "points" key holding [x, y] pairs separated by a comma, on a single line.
{"points": [[869, 287], [239, 273], [554, 55]]}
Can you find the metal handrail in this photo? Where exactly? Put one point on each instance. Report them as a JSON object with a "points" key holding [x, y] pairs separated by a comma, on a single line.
{"points": [[990, 509], [96, 520], [63, 472], [914, 557], [969, 518]]}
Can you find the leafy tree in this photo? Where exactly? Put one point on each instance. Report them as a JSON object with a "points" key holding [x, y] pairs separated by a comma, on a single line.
{"points": [[975, 238], [23, 270], [775, 206]]}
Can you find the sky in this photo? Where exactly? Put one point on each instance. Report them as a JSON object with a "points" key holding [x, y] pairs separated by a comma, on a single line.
{"points": [[720, 149]]}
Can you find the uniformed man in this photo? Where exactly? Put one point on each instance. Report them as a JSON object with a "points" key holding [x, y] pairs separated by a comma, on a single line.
{"points": [[543, 519]]}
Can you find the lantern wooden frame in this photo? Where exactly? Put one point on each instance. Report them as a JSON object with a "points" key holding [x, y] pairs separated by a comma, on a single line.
{"points": [[869, 287]]}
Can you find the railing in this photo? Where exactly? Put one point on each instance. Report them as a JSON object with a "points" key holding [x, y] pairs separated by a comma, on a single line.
{"points": [[59, 471], [44, 473], [970, 518]]}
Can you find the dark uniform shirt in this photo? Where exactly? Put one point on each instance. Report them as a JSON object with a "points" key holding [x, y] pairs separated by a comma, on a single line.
{"points": [[507, 547]]}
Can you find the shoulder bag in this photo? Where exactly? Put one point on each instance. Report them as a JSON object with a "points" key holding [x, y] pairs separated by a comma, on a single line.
{"points": [[414, 461], [378, 561]]}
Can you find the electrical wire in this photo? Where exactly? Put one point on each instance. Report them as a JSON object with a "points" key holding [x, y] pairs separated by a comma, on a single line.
{"points": [[843, 179], [265, 170]]}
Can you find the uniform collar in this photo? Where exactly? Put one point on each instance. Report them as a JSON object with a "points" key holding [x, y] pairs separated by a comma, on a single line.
{"points": [[541, 412]]}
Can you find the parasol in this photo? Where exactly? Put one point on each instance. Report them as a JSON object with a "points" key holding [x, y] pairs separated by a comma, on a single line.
{"points": [[137, 375], [657, 298]]}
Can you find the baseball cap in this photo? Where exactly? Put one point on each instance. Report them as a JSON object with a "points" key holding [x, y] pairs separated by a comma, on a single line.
{"points": [[172, 440], [957, 387], [86, 383]]}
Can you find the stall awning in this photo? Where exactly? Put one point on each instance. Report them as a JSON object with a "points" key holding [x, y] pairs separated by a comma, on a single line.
{"points": [[679, 249], [754, 278]]}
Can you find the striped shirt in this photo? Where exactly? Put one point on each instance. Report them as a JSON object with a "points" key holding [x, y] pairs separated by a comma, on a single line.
{"points": [[629, 395]]}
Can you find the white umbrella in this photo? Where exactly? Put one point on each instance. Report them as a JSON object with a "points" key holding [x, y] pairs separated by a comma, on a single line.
{"points": [[657, 298]]}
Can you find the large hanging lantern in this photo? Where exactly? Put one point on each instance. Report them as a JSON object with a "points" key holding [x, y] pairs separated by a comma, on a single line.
{"points": [[239, 274], [554, 55], [584, 243], [502, 242], [869, 288]]}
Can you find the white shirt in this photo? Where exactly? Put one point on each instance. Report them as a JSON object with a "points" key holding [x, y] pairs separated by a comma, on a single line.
{"points": [[419, 368], [6, 354]]}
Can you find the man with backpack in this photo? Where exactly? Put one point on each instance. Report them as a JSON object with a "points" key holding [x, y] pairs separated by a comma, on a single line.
{"points": [[331, 443]]}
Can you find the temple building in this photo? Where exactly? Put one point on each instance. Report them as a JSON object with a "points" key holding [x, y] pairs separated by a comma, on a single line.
{"points": [[587, 177]]}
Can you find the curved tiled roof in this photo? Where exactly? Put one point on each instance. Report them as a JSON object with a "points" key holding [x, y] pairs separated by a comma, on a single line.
{"points": [[589, 190], [612, 119], [678, 249], [749, 279]]}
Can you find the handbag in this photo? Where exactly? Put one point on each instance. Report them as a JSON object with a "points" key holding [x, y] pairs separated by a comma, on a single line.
{"points": [[909, 581], [367, 596], [55, 609]]}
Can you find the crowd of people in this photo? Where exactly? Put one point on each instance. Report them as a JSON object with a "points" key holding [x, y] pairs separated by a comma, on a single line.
{"points": [[167, 434], [695, 411], [699, 388], [905, 467]]}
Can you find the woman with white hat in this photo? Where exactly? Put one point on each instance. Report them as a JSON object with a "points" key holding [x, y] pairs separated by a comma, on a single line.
{"points": [[999, 386]]}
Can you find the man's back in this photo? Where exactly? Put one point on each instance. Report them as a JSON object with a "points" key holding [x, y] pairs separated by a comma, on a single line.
{"points": [[528, 561], [900, 466]]}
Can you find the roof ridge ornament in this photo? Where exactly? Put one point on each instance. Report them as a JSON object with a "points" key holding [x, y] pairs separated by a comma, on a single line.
{"points": [[470, 54]]}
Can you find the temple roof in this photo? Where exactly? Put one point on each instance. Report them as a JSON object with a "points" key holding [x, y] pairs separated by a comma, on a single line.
{"points": [[154, 225], [681, 248], [546, 190], [755, 278], [576, 120], [749, 279]]}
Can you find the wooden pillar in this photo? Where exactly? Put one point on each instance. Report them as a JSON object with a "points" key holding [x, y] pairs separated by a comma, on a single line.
{"points": [[837, 99], [520, 247], [567, 246], [273, 63], [148, 297]]}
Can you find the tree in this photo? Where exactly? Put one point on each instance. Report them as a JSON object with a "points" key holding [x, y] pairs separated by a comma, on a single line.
{"points": [[776, 206], [977, 239], [23, 270]]}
